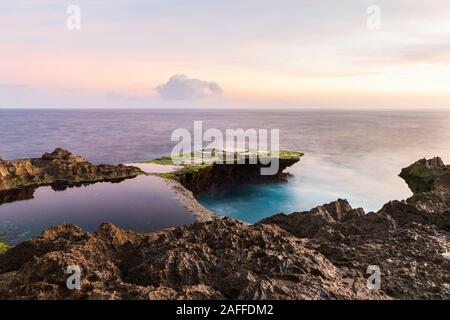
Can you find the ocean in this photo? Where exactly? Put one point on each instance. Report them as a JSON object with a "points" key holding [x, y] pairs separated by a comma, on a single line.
{"points": [[355, 155]]}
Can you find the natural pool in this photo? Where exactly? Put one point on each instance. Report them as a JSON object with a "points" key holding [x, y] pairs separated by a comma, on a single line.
{"points": [[304, 190], [356, 155], [144, 203], [250, 203]]}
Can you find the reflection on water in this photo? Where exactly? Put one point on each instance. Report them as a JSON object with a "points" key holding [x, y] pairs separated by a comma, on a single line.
{"points": [[355, 155], [17, 194], [144, 203]]}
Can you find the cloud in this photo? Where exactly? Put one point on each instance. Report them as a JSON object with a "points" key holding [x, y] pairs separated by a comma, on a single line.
{"points": [[180, 87]]}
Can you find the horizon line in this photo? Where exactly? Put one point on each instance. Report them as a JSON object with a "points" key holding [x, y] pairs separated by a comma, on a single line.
{"points": [[312, 108]]}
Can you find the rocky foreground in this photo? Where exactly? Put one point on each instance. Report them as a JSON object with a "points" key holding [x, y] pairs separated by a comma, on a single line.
{"points": [[320, 254], [59, 166]]}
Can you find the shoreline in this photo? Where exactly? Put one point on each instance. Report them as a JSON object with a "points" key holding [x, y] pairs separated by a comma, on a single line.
{"points": [[188, 200], [184, 195], [323, 253]]}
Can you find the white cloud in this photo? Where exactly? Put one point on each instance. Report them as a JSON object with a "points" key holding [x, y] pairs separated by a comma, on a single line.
{"points": [[180, 87]]}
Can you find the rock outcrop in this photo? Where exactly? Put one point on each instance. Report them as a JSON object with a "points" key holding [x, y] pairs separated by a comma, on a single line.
{"points": [[407, 242], [422, 175], [209, 178], [219, 259], [320, 254], [60, 166]]}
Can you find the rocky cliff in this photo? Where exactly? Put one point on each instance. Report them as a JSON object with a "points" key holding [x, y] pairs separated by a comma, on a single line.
{"points": [[320, 254], [424, 175], [60, 166], [212, 177]]}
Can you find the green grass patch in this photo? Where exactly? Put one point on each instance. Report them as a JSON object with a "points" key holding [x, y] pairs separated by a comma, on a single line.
{"points": [[169, 176], [417, 172], [208, 158], [287, 154], [164, 160], [183, 159], [4, 247], [194, 168]]}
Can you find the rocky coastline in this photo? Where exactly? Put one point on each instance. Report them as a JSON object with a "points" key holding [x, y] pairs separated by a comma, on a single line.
{"points": [[58, 167], [210, 176], [320, 254]]}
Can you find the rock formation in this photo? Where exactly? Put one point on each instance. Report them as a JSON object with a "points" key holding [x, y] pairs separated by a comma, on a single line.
{"points": [[409, 243], [422, 175], [209, 178], [320, 254], [60, 166], [219, 259]]}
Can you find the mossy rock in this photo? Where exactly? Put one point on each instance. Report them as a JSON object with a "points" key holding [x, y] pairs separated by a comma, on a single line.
{"points": [[203, 171], [4, 247], [186, 158], [422, 175], [288, 155], [164, 160], [168, 176]]}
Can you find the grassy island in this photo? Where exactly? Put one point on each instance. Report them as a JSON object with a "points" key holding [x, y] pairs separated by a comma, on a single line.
{"points": [[202, 171], [188, 160]]}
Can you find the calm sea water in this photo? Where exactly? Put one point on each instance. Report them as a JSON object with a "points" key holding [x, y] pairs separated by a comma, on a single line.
{"points": [[144, 203], [355, 155]]}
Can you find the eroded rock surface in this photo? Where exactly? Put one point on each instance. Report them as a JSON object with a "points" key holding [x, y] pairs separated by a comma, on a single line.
{"points": [[424, 175], [407, 242], [320, 254], [223, 258], [217, 176], [60, 166]]}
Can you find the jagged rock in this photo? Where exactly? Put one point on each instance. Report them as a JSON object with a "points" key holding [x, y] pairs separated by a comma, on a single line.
{"points": [[408, 248], [306, 224], [223, 258], [320, 254], [60, 166], [211, 178], [421, 176], [407, 239], [61, 154]]}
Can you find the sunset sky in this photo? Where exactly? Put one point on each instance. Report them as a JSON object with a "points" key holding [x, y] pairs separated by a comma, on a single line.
{"points": [[246, 54]]}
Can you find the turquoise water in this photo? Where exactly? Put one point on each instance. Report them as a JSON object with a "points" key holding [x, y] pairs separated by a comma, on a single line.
{"points": [[251, 203], [314, 181], [355, 155]]}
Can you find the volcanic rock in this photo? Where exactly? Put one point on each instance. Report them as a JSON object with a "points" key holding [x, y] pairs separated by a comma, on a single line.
{"points": [[60, 166], [214, 177], [422, 175], [223, 258], [324, 253]]}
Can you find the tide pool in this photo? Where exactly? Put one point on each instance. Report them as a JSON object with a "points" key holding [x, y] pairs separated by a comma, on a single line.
{"points": [[144, 204]]}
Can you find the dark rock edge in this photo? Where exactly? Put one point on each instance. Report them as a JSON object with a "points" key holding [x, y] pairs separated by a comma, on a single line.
{"points": [[320, 254], [58, 168]]}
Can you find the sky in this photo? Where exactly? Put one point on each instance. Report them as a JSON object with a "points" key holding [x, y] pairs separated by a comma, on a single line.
{"points": [[226, 54]]}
